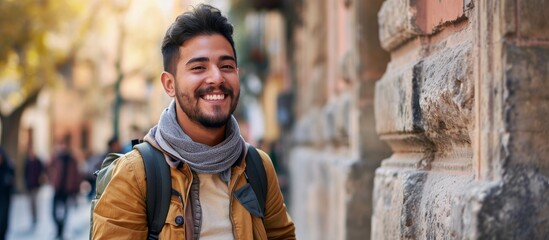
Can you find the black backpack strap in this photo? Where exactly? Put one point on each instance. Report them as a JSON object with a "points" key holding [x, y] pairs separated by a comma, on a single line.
{"points": [[256, 175], [159, 186]]}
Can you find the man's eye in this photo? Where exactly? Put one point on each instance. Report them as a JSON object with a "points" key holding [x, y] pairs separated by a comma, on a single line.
{"points": [[198, 68], [228, 66]]}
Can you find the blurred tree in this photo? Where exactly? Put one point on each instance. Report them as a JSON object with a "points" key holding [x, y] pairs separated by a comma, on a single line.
{"points": [[120, 7], [39, 42]]}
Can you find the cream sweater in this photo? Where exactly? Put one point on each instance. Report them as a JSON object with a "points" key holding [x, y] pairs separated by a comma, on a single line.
{"points": [[214, 200]]}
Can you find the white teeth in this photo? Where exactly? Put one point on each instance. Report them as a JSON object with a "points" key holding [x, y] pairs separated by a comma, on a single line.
{"points": [[214, 97]]}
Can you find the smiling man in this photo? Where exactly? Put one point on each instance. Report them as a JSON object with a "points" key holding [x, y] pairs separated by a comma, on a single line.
{"points": [[205, 82], [201, 142]]}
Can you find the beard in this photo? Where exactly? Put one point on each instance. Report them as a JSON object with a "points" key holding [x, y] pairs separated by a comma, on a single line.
{"points": [[217, 118]]}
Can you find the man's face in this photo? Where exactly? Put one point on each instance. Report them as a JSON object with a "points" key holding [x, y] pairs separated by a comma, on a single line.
{"points": [[207, 86]]}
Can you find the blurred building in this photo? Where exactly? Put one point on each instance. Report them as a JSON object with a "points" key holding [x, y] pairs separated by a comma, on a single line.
{"points": [[318, 62], [337, 59]]}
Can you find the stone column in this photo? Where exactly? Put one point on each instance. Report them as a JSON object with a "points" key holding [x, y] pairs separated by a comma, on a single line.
{"points": [[336, 150], [368, 65]]}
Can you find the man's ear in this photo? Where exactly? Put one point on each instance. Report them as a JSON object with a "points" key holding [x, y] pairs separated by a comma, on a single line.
{"points": [[168, 82]]}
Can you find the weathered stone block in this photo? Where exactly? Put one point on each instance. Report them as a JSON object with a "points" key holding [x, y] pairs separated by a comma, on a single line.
{"points": [[527, 106], [337, 120], [532, 19], [329, 115], [530, 149], [359, 187], [402, 20], [396, 24], [441, 208], [514, 208], [372, 59], [528, 115], [507, 17], [527, 73], [319, 200], [434, 96], [387, 204], [397, 108], [371, 147], [419, 204], [309, 129], [343, 117], [446, 99], [436, 205]]}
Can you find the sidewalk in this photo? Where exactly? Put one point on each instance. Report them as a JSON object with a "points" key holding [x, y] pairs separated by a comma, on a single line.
{"points": [[77, 225]]}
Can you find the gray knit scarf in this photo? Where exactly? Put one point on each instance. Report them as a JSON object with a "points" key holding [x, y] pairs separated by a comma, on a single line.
{"points": [[201, 158]]}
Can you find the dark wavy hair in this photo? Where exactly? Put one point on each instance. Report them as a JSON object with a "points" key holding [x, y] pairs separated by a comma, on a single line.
{"points": [[203, 20]]}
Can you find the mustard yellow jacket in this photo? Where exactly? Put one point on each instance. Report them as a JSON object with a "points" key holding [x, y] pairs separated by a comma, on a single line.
{"points": [[121, 211]]}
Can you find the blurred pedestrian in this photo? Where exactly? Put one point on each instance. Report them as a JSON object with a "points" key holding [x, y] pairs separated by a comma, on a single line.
{"points": [[7, 178], [94, 163], [65, 178], [33, 175]]}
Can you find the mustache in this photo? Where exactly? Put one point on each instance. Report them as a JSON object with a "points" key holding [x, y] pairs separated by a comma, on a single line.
{"points": [[205, 90]]}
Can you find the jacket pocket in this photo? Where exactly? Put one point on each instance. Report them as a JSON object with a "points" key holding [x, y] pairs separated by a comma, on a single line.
{"points": [[246, 196], [174, 228]]}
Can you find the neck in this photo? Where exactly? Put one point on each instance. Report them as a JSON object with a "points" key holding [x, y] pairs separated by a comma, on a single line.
{"points": [[199, 133]]}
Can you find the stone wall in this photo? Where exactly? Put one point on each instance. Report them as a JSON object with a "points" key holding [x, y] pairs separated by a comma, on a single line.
{"points": [[462, 107]]}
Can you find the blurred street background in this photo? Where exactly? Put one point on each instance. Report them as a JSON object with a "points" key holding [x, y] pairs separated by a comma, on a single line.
{"points": [[21, 228]]}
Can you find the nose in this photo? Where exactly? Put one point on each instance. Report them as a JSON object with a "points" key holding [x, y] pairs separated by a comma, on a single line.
{"points": [[215, 77]]}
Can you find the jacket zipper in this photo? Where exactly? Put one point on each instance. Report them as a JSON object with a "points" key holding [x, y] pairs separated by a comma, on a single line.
{"points": [[186, 202]]}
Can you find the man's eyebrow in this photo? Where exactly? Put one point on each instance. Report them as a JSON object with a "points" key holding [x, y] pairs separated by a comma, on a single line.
{"points": [[226, 57], [197, 59]]}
